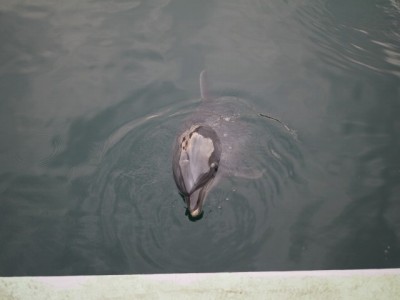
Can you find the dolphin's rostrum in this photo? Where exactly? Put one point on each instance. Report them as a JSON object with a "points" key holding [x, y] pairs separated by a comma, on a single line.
{"points": [[196, 159], [195, 164]]}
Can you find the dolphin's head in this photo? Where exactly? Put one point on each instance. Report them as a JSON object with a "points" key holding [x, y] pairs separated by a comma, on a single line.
{"points": [[195, 163]]}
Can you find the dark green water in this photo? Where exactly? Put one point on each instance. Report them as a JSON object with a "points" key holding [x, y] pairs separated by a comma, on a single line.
{"points": [[93, 93]]}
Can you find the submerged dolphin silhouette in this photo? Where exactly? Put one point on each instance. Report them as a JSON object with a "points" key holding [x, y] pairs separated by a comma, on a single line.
{"points": [[206, 147]]}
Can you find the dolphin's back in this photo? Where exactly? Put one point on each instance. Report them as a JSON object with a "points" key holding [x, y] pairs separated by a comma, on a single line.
{"points": [[224, 115]]}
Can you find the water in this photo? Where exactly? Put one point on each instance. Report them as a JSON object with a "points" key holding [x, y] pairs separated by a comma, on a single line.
{"points": [[93, 93]]}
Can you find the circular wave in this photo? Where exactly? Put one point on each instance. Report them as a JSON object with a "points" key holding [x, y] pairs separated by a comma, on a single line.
{"points": [[141, 217]]}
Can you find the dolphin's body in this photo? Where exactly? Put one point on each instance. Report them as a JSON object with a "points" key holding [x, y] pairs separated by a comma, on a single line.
{"points": [[210, 144]]}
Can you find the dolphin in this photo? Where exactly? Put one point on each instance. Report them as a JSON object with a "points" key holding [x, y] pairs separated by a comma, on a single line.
{"points": [[208, 145]]}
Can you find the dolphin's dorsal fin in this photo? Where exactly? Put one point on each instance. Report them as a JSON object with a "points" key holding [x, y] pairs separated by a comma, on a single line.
{"points": [[203, 85]]}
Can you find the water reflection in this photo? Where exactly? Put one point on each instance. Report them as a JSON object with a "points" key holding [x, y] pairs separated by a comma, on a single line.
{"points": [[343, 37]]}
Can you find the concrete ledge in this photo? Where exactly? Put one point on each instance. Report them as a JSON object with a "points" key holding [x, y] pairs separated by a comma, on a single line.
{"points": [[353, 284]]}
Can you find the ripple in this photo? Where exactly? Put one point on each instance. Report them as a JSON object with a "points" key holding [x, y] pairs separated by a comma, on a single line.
{"points": [[347, 42], [142, 217]]}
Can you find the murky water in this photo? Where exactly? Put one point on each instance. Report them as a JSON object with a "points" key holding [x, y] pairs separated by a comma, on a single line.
{"points": [[94, 92]]}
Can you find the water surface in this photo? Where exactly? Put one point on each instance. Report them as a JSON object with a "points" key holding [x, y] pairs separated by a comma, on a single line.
{"points": [[93, 93]]}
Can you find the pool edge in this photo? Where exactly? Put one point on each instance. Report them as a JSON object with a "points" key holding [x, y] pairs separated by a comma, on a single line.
{"points": [[332, 284]]}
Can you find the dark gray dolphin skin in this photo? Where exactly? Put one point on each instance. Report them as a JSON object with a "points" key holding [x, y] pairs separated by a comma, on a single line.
{"points": [[196, 158], [217, 140]]}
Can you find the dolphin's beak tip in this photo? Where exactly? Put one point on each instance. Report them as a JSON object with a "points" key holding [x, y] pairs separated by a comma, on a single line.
{"points": [[195, 212]]}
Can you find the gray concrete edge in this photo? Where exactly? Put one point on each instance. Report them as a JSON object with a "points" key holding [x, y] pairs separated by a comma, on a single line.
{"points": [[347, 284]]}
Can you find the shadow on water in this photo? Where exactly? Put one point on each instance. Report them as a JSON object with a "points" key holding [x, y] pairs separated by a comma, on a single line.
{"points": [[85, 134], [114, 161]]}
